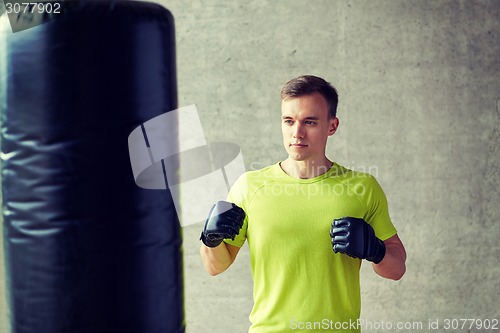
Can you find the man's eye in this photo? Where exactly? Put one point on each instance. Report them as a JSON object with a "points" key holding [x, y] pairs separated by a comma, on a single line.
{"points": [[288, 122], [308, 122]]}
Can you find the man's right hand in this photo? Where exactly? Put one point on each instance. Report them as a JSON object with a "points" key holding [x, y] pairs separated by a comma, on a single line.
{"points": [[224, 221]]}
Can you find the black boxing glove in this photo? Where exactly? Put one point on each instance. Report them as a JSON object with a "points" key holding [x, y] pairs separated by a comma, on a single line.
{"points": [[356, 238], [224, 221]]}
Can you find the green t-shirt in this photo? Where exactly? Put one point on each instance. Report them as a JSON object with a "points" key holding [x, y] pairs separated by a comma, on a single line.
{"points": [[300, 284]]}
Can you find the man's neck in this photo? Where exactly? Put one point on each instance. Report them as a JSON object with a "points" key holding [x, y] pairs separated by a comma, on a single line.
{"points": [[305, 169]]}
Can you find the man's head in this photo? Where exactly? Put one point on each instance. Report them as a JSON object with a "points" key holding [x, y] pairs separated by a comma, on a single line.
{"points": [[310, 84], [308, 112]]}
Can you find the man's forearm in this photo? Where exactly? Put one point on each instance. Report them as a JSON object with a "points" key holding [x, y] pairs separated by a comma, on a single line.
{"points": [[393, 266], [216, 259]]}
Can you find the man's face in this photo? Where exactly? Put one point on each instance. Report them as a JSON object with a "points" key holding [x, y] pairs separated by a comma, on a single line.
{"points": [[306, 126]]}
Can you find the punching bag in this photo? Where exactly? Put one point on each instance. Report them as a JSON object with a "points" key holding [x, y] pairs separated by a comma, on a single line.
{"points": [[86, 249]]}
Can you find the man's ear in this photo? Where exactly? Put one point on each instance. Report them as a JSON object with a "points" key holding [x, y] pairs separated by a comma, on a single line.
{"points": [[334, 124]]}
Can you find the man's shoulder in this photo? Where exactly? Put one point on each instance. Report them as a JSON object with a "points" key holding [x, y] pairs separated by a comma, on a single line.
{"points": [[267, 172], [345, 173], [354, 179], [250, 180]]}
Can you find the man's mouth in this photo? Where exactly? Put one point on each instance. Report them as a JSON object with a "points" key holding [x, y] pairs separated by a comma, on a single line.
{"points": [[298, 145]]}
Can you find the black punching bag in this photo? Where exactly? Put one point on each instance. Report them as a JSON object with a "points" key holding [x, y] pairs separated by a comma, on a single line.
{"points": [[86, 249]]}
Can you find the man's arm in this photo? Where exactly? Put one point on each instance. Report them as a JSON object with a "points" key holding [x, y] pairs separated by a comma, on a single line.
{"points": [[356, 238], [393, 265], [217, 259], [224, 221]]}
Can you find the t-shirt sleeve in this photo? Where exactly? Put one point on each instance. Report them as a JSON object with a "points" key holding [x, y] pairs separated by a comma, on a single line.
{"points": [[237, 195], [377, 210]]}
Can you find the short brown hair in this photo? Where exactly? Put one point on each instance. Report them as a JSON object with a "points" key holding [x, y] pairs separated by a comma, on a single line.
{"points": [[310, 84]]}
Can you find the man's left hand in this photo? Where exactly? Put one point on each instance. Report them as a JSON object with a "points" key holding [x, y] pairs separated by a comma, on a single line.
{"points": [[356, 238]]}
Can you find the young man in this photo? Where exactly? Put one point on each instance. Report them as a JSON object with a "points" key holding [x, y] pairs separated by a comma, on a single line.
{"points": [[293, 213]]}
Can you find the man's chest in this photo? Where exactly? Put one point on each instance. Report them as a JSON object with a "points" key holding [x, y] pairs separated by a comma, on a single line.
{"points": [[299, 210]]}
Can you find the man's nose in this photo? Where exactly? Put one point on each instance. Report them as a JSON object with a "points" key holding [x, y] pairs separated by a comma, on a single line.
{"points": [[298, 130]]}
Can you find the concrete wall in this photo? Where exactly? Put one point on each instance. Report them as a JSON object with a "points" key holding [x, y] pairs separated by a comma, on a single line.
{"points": [[419, 85], [419, 107]]}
